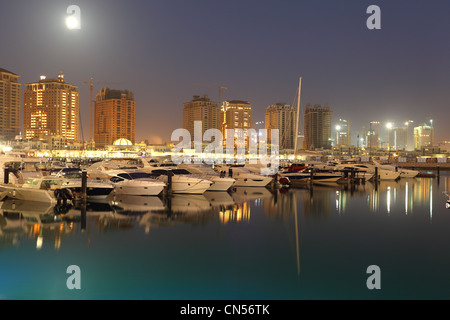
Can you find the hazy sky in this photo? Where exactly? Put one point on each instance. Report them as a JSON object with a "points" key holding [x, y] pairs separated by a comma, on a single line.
{"points": [[257, 48]]}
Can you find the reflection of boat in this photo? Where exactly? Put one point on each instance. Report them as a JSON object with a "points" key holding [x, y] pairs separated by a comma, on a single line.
{"points": [[187, 203], [219, 199], [245, 194], [33, 212], [131, 203]]}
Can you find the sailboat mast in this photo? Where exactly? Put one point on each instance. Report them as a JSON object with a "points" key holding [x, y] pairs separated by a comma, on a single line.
{"points": [[297, 119]]}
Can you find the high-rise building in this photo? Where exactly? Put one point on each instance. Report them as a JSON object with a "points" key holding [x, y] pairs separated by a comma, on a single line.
{"points": [[423, 136], [236, 114], [317, 126], [343, 134], [114, 116], [51, 108], [204, 110], [283, 117], [10, 95], [398, 138]]}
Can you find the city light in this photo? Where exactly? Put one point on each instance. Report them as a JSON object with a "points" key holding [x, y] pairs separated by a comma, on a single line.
{"points": [[389, 125]]}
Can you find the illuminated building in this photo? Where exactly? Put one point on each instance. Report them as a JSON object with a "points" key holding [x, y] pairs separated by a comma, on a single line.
{"points": [[317, 123], [282, 117], [9, 105], [236, 114], [51, 108], [201, 109], [114, 116], [423, 135]]}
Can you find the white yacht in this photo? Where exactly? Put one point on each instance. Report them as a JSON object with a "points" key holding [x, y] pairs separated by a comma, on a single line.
{"points": [[135, 183], [219, 182], [39, 189], [370, 169], [182, 181], [245, 177], [95, 189], [404, 173]]}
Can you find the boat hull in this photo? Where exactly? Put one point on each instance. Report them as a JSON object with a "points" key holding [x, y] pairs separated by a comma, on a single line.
{"points": [[139, 188]]}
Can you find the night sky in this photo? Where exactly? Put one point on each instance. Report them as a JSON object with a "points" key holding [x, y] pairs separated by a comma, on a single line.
{"points": [[257, 48]]}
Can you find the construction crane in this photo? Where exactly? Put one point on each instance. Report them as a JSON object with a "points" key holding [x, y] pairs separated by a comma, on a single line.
{"points": [[91, 84], [218, 87]]}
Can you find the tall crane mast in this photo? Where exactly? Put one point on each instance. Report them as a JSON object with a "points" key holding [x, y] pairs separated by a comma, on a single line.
{"points": [[217, 87]]}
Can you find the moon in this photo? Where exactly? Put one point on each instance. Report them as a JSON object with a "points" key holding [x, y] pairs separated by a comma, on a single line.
{"points": [[72, 22]]}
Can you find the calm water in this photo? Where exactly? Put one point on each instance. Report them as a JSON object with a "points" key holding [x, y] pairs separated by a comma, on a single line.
{"points": [[251, 244]]}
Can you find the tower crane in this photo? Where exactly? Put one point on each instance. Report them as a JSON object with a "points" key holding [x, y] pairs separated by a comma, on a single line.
{"points": [[91, 84], [217, 87]]}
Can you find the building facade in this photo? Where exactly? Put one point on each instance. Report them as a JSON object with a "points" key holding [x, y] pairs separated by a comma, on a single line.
{"points": [[114, 116], [51, 107], [204, 110], [10, 103], [317, 127], [423, 136], [282, 117], [235, 115]]}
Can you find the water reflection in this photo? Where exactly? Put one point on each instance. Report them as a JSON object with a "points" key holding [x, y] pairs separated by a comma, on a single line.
{"points": [[22, 221]]}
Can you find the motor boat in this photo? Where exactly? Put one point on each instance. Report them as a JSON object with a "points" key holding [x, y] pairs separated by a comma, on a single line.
{"points": [[245, 177], [181, 180], [447, 204], [220, 182], [95, 188], [404, 173], [370, 169], [303, 176], [40, 189], [135, 183]]}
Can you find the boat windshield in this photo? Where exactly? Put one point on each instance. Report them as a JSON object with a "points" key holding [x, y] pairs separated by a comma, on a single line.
{"points": [[134, 175], [32, 182]]}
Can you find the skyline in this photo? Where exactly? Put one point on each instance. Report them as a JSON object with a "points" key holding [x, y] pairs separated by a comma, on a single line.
{"points": [[392, 75]]}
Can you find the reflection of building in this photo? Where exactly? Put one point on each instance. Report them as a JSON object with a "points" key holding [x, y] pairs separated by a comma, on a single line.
{"points": [[9, 105], [51, 108], [317, 122], [236, 213], [114, 116], [204, 110], [423, 136], [283, 117]]}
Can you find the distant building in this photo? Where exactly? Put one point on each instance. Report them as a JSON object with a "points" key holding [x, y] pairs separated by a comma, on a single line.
{"points": [[10, 105], [398, 138], [51, 108], [114, 117], [282, 117], [317, 127], [423, 136], [343, 135], [204, 110], [236, 114]]}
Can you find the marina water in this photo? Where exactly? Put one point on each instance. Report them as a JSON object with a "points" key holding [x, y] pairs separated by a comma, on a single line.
{"points": [[255, 243]]}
